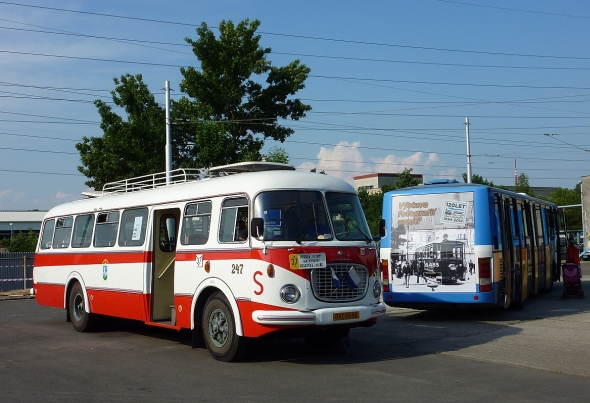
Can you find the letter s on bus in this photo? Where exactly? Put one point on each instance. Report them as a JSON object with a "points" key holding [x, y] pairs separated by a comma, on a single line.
{"points": [[258, 273]]}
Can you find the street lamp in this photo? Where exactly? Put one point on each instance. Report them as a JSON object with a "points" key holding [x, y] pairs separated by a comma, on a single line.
{"points": [[11, 231]]}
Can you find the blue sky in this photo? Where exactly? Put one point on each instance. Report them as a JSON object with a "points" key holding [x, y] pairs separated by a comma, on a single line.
{"points": [[391, 84]]}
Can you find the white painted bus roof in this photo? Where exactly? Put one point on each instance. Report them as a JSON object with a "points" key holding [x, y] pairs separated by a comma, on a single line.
{"points": [[248, 182]]}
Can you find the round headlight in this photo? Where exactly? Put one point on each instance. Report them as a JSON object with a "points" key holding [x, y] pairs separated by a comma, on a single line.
{"points": [[377, 289], [290, 294]]}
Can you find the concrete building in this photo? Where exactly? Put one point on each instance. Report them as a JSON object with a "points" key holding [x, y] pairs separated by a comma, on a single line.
{"points": [[13, 222], [372, 182]]}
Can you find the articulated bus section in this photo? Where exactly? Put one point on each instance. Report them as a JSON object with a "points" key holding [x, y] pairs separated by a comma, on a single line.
{"points": [[451, 244]]}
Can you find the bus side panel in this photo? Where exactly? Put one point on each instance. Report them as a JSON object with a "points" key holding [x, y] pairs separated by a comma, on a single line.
{"points": [[113, 281], [50, 294]]}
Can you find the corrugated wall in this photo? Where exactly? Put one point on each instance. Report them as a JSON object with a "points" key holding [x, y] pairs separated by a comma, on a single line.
{"points": [[16, 270]]}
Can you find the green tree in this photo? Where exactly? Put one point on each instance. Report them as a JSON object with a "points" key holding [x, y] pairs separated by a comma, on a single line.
{"points": [[372, 203], [231, 111], [568, 197], [277, 154], [225, 117], [522, 185], [131, 147], [475, 178], [21, 242], [405, 180]]}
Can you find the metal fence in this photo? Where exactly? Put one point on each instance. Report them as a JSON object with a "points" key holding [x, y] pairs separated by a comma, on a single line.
{"points": [[16, 270]]}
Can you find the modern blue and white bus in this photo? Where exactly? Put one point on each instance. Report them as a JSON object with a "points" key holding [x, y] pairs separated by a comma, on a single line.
{"points": [[458, 244]]}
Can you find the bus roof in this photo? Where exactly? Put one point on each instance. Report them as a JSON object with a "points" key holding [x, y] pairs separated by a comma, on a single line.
{"points": [[247, 182], [449, 186]]}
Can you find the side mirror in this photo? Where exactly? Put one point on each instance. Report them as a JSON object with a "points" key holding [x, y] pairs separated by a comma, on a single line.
{"points": [[382, 231], [257, 227]]}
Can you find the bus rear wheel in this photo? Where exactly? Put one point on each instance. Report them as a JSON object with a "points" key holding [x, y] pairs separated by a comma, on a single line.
{"points": [[82, 320], [219, 330]]}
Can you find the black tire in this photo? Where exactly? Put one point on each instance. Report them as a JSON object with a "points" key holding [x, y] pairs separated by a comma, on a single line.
{"points": [[81, 320], [219, 330]]}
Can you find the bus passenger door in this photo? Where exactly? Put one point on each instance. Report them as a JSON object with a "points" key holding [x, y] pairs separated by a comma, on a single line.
{"points": [[503, 206], [165, 236]]}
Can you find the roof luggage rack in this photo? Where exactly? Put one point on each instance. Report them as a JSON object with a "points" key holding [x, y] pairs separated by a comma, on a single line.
{"points": [[184, 175]]}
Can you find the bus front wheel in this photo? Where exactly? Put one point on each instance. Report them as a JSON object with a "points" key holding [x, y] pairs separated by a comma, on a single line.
{"points": [[82, 320], [219, 330]]}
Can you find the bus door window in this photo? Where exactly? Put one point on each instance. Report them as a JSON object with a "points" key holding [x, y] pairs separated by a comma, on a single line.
{"points": [[63, 232], [83, 228], [133, 226], [196, 223], [105, 233], [234, 217], [46, 239]]}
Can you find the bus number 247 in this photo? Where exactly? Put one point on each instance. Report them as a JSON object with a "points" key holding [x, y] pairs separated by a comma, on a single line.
{"points": [[236, 268]]}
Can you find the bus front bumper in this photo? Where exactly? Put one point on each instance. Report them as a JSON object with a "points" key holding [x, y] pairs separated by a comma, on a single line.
{"points": [[320, 317]]}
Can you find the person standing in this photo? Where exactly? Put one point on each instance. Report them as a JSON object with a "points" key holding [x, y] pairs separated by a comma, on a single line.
{"points": [[573, 254]]}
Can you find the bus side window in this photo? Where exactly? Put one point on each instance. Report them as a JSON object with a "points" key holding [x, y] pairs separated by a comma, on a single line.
{"points": [[106, 229], [46, 239], [83, 227], [133, 225], [196, 223], [234, 218], [63, 232]]}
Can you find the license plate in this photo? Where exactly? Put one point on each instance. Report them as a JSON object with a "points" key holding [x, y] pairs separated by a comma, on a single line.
{"points": [[307, 261], [345, 315]]}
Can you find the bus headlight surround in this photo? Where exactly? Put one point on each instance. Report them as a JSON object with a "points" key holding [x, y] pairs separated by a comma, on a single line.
{"points": [[290, 294], [377, 289]]}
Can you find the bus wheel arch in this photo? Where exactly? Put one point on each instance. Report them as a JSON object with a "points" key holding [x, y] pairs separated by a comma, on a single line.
{"points": [[219, 329], [77, 308], [204, 290]]}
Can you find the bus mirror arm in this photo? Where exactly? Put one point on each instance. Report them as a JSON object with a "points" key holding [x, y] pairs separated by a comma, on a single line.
{"points": [[382, 230]]}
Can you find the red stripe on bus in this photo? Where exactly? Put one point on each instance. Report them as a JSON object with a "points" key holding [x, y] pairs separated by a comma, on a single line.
{"points": [[70, 259]]}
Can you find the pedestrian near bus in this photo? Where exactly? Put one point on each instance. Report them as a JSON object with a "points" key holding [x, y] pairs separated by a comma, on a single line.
{"points": [[573, 253]]}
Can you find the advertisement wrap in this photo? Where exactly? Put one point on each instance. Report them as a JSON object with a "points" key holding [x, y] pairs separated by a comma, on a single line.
{"points": [[432, 243]]}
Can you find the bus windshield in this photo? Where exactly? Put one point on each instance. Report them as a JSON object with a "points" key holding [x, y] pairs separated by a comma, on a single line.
{"points": [[347, 217], [295, 215]]}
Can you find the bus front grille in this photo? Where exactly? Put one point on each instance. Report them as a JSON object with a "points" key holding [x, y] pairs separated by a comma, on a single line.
{"points": [[325, 287]]}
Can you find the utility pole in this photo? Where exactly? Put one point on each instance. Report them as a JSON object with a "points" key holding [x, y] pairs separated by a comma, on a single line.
{"points": [[168, 149], [468, 151]]}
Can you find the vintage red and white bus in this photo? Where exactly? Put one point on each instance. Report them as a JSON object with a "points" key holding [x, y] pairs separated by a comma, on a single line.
{"points": [[232, 253]]}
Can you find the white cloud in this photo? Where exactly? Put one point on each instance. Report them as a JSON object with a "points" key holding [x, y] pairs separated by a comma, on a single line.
{"points": [[345, 161], [62, 195], [9, 197]]}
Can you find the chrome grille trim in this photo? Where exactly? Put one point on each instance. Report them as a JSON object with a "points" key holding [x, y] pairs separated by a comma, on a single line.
{"points": [[324, 289]]}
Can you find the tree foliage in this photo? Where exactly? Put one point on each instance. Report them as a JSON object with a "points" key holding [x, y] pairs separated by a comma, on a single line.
{"points": [[522, 185], [233, 102], [21, 242], [475, 178], [226, 99], [277, 154], [372, 203], [569, 197], [131, 147]]}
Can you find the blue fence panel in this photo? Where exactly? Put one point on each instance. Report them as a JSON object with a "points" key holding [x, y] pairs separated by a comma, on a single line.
{"points": [[16, 270]]}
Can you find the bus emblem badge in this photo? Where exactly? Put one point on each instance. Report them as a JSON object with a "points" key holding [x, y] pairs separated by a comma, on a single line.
{"points": [[105, 269]]}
